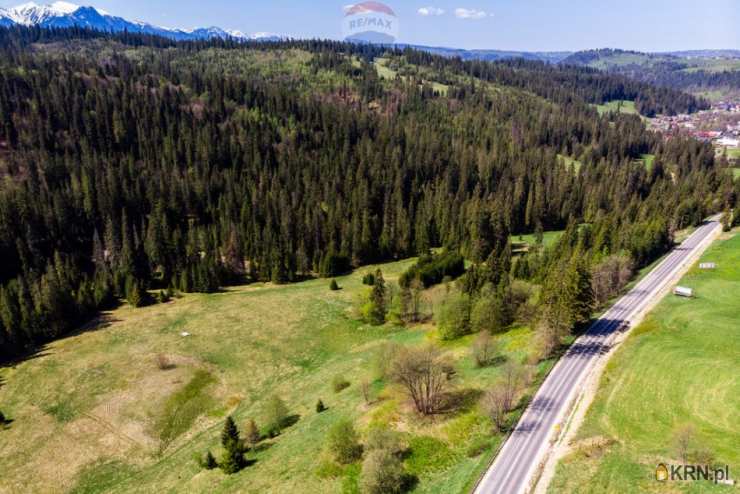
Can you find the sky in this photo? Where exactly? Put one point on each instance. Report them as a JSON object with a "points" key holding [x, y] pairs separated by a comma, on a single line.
{"points": [[525, 25]]}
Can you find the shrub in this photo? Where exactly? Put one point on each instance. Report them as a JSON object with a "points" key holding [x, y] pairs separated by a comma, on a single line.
{"points": [[384, 438], [136, 294], [2, 418], [277, 416], [453, 319], [207, 461], [320, 407], [491, 313], [382, 473], [334, 265], [163, 297], [384, 357], [368, 279], [343, 442], [339, 384], [433, 269], [484, 349], [163, 363], [477, 447], [424, 374], [333, 286], [251, 433]]}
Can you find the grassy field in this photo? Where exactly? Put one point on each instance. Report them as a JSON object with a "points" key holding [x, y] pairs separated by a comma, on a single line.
{"points": [[522, 243], [623, 106], [679, 368], [648, 160], [571, 162], [96, 412], [385, 71]]}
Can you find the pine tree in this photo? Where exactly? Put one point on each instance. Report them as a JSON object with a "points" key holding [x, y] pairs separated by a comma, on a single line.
{"points": [[379, 308], [209, 462], [233, 459]]}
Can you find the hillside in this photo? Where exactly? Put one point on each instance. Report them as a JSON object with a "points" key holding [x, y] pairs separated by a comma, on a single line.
{"points": [[96, 412], [712, 72], [192, 231]]}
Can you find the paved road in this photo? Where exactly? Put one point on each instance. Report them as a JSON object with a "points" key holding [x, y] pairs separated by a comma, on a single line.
{"points": [[517, 463]]}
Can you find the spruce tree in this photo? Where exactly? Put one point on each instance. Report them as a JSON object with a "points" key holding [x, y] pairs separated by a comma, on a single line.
{"points": [[233, 459], [378, 299]]}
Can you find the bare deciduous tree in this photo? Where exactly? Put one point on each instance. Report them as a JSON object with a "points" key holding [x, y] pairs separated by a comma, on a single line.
{"points": [[683, 437], [494, 405], [503, 397], [425, 376], [365, 389], [484, 349]]}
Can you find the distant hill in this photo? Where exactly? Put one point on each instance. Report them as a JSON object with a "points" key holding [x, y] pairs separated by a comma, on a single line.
{"points": [[712, 73], [494, 55]]}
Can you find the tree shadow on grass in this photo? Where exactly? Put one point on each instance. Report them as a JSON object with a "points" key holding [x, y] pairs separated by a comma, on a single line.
{"points": [[290, 420], [460, 401], [263, 446], [409, 482]]}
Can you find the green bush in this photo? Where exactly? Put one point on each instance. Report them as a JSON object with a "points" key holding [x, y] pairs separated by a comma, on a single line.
{"points": [[433, 269], [384, 438], [453, 318], [368, 279], [334, 265], [343, 442], [277, 416], [320, 407], [478, 447], [333, 286], [382, 473], [491, 313], [208, 461]]}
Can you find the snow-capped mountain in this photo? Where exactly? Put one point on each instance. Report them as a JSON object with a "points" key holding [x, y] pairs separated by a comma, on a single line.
{"points": [[64, 14]]}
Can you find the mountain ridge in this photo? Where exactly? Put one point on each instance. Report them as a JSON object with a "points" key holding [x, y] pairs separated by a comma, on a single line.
{"points": [[62, 14]]}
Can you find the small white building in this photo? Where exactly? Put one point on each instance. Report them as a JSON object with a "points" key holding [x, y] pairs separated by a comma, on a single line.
{"points": [[682, 291], [728, 142]]}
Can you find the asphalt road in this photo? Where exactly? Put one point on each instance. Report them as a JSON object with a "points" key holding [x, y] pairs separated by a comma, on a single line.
{"points": [[516, 465]]}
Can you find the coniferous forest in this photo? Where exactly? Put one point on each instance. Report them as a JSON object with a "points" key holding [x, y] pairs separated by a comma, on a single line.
{"points": [[130, 164]]}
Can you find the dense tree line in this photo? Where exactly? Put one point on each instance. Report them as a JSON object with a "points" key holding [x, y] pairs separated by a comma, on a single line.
{"points": [[124, 172], [565, 83]]}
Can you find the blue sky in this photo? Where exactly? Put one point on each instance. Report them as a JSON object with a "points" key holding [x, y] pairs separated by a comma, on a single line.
{"points": [[541, 25]]}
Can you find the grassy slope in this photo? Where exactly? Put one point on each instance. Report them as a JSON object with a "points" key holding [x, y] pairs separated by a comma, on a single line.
{"points": [[623, 106], [93, 413], [679, 367], [522, 243]]}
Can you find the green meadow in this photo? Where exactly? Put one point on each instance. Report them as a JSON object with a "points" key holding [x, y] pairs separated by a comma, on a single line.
{"points": [[676, 376], [127, 404]]}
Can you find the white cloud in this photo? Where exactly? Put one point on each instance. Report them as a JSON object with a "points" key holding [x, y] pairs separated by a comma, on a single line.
{"points": [[461, 13], [427, 11]]}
